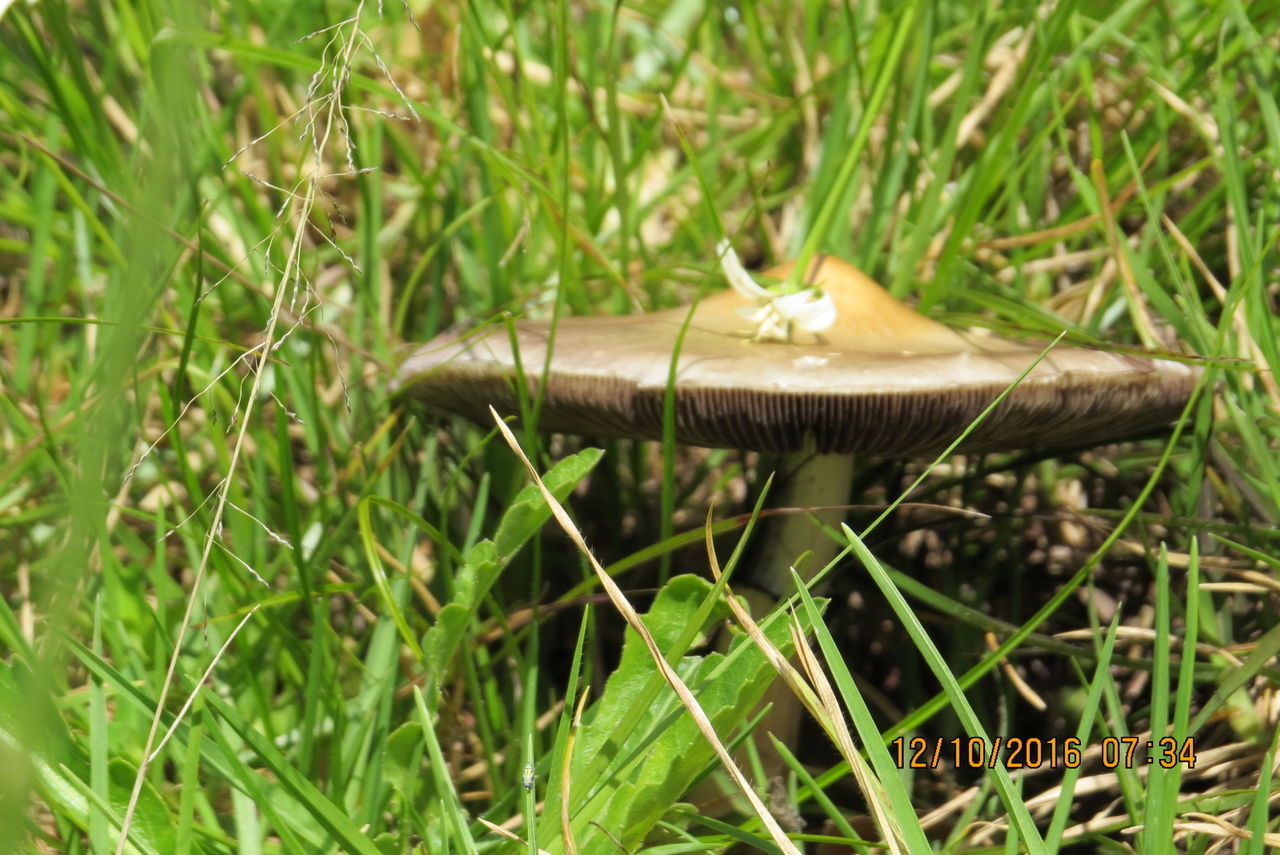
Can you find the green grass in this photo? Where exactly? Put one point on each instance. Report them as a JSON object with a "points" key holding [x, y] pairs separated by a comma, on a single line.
{"points": [[345, 624]]}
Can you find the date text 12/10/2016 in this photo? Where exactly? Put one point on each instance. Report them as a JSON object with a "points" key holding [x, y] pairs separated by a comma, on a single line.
{"points": [[1129, 752]]}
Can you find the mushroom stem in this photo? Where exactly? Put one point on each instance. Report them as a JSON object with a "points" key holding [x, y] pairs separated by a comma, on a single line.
{"points": [[812, 480]]}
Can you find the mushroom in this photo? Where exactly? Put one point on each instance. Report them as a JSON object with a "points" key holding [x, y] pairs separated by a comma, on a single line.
{"points": [[882, 380]]}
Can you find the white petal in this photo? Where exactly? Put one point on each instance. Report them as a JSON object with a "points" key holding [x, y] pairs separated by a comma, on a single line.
{"points": [[773, 328], [737, 274], [811, 311], [775, 315]]}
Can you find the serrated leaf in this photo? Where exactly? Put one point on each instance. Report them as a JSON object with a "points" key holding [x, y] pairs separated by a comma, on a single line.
{"points": [[529, 512], [486, 560]]}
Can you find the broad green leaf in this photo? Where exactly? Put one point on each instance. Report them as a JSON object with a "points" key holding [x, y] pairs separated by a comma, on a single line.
{"points": [[402, 764], [654, 750], [152, 824]]}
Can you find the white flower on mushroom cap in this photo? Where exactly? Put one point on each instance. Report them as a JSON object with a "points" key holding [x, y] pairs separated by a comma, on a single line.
{"points": [[775, 314]]}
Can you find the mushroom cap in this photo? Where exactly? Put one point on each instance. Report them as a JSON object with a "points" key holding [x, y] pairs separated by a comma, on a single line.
{"points": [[883, 380]]}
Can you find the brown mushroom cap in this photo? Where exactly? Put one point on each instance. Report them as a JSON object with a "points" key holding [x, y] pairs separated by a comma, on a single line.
{"points": [[883, 380]]}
